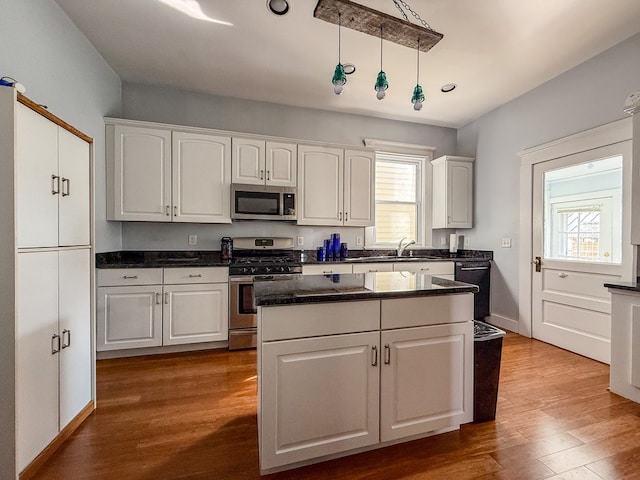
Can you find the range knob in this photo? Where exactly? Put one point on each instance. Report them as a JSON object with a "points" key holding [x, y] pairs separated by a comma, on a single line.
{"points": [[267, 269]]}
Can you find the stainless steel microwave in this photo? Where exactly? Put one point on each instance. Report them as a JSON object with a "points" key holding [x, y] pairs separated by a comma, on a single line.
{"points": [[262, 202]]}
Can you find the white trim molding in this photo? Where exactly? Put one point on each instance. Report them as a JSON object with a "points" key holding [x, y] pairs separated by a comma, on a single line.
{"points": [[398, 147], [609, 134]]}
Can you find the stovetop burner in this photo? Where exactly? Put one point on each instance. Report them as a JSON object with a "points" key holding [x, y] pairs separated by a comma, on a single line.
{"points": [[271, 259]]}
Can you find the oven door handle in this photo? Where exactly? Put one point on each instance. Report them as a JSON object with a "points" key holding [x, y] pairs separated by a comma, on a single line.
{"points": [[238, 279]]}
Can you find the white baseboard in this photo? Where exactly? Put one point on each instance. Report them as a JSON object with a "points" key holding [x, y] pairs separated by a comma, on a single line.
{"points": [[503, 322]]}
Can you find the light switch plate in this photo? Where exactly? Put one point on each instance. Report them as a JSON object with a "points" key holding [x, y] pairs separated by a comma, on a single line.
{"points": [[359, 241], [443, 240], [467, 241], [193, 239], [506, 242], [300, 240]]}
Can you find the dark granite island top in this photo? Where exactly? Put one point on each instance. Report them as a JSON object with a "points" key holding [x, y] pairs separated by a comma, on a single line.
{"points": [[296, 289]]}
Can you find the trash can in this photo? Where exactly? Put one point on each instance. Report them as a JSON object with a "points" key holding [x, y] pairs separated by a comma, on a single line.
{"points": [[487, 349]]}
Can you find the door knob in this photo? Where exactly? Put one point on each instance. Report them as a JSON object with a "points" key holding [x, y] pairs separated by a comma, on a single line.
{"points": [[538, 263]]}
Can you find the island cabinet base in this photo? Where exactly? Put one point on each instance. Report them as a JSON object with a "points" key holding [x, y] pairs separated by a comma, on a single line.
{"points": [[345, 379], [625, 344]]}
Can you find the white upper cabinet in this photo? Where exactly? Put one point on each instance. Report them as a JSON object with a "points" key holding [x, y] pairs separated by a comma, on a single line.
{"points": [[335, 186], [157, 175], [53, 200], [452, 192], [257, 162]]}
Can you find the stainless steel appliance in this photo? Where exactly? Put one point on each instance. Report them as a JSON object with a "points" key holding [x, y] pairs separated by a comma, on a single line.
{"points": [[262, 202], [252, 257]]}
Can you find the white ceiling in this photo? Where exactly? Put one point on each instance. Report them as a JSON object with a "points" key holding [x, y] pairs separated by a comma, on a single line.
{"points": [[494, 50]]}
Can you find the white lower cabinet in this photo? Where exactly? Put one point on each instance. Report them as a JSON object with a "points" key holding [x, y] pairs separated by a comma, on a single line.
{"points": [[328, 394], [137, 308], [53, 331]]}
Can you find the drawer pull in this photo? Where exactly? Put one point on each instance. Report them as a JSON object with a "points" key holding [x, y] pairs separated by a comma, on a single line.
{"points": [[426, 269], [327, 271], [195, 275], [563, 275], [130, 277]]}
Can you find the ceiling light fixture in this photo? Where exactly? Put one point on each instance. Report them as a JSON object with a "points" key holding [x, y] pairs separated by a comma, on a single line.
{"points": [[381, 82], [372, 22], [193, 9], [349, 68], [339, 77], [278, 7], [418, 97], [448, 87]]}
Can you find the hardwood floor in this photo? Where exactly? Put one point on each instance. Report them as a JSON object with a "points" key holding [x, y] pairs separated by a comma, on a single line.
{"points": [[193, 416]]}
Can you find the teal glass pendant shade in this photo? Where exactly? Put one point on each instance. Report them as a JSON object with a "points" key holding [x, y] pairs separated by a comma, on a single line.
{"points": [[381, 85], [339, 79], [417, 98]]}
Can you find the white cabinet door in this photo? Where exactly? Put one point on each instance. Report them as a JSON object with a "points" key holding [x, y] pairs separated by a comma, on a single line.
{"points": [[281, 164], [320, 171], [36, 364], [359, 188], [327, 268], [141, 174], [129, 317], [452, 192], [37, 179], [426, 379], [195, 313], [318, 396], [75, 332], [201, 178], [74, 200], [248, 161], [372, 267]]}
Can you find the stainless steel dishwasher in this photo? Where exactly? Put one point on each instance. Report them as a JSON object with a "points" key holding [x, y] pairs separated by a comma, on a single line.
{"points": [[477, 272]]}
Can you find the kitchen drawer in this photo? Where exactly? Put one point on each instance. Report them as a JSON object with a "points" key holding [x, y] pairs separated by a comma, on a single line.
{"points": [[372, 267], [432, 268], [196, 275], [326, 269], [113, 277], [313, 320], [422, 311]]}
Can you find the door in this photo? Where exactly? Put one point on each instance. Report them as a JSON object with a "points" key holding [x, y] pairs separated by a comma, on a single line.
{"points": [[141, 174], [319, 396], [38, 183], [195, 313], [426, 379], [201, 178], [321, 185], [359, 185], [281, 164], [577, 247], [248, 162], [459, 194], [129, 317], [74, 201], [37, 351]]}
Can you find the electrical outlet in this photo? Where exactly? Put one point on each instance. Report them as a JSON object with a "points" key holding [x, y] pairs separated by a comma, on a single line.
{"points": [[443, 240], [193, 239], [467, 241], [359, 241], [300, 240], [506, 242]]}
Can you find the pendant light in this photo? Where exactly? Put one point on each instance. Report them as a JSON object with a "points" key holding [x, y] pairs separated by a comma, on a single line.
{"points": [[339, 77], [381, 82], [418, 97]]}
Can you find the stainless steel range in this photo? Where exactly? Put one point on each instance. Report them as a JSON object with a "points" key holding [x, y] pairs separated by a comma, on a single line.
{"points": [[254, 256]]}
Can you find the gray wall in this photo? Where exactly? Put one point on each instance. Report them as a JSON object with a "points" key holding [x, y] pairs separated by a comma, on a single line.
{"points": [[165, 105], [43, 50], [587, 96]]}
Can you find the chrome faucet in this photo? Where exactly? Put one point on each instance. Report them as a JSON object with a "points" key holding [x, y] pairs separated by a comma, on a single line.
{"points": [[401, 247]]}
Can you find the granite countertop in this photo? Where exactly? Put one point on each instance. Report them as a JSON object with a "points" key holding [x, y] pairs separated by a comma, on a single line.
{"points": [[211, 258], [295, 289], [629, 286]]}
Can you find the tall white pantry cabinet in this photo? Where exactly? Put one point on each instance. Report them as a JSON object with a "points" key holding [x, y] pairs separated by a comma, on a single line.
{"points": [[46, 285]]}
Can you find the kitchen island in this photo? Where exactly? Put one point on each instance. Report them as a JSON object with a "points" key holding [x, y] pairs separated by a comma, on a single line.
{"points": [[348, 363]]}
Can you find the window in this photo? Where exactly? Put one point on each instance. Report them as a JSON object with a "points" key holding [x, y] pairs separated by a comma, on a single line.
{"points": [[399, 194]]}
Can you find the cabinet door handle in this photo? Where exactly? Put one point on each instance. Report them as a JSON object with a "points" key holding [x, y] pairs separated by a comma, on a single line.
{"points": [[268, 175], [346, 216], [66, 191], [175, 210], [195, 275], [55, 184], [130, 277], [68, 335], [55, 344], [261, 174], [374, 356], [387, 354], [167, 210], [166, 298], [158, 298], [340, 216]]}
